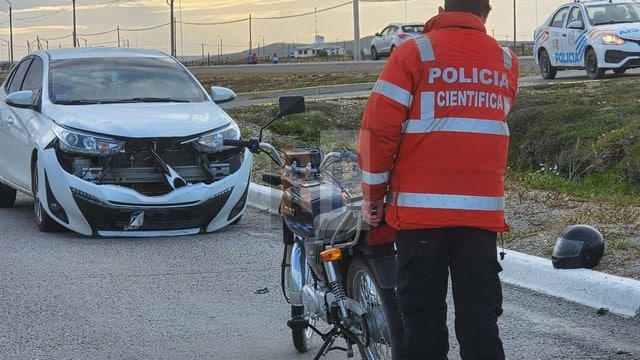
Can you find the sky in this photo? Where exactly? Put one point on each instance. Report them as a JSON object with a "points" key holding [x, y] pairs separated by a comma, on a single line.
{"points": [[213, 27]]}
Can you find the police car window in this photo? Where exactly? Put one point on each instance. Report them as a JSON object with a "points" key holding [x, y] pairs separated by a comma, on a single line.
{"points": [[633, 10], [575, 14], [559, 17]]}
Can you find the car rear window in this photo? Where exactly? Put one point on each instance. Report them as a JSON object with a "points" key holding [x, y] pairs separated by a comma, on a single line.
{"points": [[412, 28]]}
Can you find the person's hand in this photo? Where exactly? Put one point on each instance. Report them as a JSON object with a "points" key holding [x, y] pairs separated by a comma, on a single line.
{"points": [[372, 212]]}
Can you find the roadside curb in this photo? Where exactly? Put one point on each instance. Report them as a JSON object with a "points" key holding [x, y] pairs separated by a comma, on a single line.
{"points": [[595, 289]]}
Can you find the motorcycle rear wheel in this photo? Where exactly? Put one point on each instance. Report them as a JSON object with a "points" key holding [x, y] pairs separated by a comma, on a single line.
{"points": [[383, 313]]}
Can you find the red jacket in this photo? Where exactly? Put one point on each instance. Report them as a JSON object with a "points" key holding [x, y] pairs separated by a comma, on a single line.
{"points": [[438, 108]]}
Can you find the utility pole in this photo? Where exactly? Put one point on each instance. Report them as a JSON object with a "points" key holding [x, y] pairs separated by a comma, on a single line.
{"points": [[75, 39], [173, 30], [356, 31], [250, 45], [514, 25], [10, 35]]}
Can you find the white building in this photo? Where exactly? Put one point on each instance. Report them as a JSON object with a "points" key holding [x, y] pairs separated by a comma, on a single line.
{"points": [[318, 48]]}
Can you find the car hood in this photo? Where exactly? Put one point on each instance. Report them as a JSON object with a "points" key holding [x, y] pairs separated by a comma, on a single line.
{"points": [[141, 120], [628, 31], [625, 31]]}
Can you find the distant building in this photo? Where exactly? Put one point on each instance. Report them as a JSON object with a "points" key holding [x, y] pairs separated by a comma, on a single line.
{"points": [[318, 48]]}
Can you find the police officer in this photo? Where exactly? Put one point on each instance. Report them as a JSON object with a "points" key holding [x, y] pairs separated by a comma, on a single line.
{"points": [[433, 149]]}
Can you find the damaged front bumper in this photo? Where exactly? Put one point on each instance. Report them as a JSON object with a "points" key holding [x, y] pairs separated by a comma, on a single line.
{"points": [[101, 206]]}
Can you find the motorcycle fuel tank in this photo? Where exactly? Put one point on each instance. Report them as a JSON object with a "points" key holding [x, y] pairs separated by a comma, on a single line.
{"points": [[302, 203]]}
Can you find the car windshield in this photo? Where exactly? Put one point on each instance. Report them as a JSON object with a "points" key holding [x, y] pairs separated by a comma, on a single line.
{"points": [[613, 13], [124, 79], [412, 28]]}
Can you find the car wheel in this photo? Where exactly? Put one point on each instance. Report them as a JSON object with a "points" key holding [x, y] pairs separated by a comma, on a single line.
{"points": [[44, 222], [7, 196], [374, 53], [547, 71], [591, 65]]}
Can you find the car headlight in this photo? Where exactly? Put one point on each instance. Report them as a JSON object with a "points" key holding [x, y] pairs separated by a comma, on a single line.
{"points": [[79, 142], [212, 141], [611, 39]]}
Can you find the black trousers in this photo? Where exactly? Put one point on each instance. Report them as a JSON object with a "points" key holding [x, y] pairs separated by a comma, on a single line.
{"points": [[425, 258]]}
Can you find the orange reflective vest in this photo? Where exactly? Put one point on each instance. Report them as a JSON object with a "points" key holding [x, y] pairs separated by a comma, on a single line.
{"points": [[434, 138]]}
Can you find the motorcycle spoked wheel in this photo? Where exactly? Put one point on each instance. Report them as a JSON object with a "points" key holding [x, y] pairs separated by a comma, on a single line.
{"points": [[384, 319]]}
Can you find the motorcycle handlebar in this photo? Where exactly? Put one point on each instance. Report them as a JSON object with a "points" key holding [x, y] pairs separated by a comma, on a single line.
{"points": [[255, 146], [338, 155], [238, 143]]}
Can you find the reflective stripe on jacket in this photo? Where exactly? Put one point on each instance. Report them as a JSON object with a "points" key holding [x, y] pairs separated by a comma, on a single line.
{"points": [[434, 135]]}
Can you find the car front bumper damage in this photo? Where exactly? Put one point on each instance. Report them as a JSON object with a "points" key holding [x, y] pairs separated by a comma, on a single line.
{"points": [[111, 209]]}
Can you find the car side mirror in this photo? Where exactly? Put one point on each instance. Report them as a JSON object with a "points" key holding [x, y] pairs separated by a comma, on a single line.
{"points": [[221, 94], [24, 99], [577, 24]]}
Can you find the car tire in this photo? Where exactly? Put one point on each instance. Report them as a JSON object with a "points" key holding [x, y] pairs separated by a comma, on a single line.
{"points": [[44, 222], [374, 53], [7, 196], [547, 71], [591, 65]]}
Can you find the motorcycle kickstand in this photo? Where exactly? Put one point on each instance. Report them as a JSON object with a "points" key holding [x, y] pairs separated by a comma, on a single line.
{"points": [[328, 338]]}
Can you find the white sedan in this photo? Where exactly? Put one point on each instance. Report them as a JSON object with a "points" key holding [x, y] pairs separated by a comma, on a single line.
{"points": [[119, 142], [595, 35]]}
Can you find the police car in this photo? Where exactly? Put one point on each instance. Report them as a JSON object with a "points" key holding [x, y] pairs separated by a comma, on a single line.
{"points": [[596, 36]]}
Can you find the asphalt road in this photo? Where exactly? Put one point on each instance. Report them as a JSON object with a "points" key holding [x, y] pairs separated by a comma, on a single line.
{"points": [[65, 296]]}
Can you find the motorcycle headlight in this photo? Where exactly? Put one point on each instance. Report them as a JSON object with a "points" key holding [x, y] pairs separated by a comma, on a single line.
{"points": [[79, 142], [610, 39], [212, 141]]}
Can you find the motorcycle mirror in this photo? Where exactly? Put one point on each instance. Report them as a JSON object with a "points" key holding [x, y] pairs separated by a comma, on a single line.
{"points": [[290, 105], [287, 105]]}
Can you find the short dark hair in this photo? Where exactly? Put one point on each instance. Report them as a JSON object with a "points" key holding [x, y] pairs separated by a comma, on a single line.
{"points": [[477, 7]]}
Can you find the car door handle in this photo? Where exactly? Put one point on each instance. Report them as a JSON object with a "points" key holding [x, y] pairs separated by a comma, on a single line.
{"points": [[564, 35], [9, 119]]}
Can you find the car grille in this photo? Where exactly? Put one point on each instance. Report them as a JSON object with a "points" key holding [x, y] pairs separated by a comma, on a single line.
{"points": [[615, 56], [107, 217], [141, 166]]}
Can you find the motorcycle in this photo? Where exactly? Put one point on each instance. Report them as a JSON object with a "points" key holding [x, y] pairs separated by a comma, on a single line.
{"points": [[337, 272]]}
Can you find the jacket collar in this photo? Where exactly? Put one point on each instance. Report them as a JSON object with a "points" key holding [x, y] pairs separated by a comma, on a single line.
{"points": [[454, 20]]}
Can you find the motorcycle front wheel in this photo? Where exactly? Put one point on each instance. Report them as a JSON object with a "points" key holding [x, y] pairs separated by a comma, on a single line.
{"points": [[302, 338], [384, 319]]}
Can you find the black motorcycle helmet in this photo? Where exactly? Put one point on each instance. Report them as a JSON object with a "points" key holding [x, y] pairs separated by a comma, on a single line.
{"points": [[579, 246]]}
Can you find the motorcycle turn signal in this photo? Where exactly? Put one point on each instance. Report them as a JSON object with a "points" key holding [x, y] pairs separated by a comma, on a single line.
{"points": [[332, 254]]}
